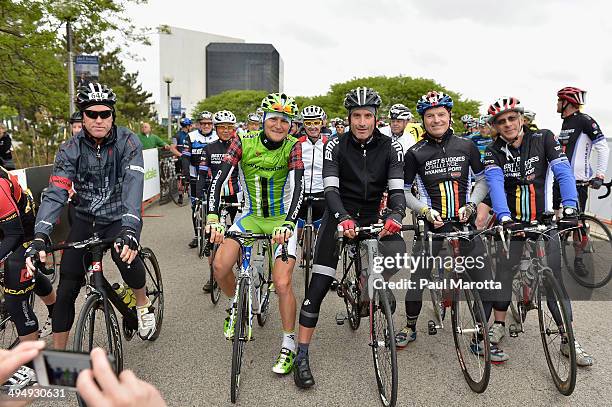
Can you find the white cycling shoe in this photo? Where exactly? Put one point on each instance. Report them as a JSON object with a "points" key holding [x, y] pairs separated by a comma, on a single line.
{"points": [[146, 322]]}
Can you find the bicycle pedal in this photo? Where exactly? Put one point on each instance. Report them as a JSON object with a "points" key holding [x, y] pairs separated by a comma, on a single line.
{"points": [[334, 287], [431, 328], [340, 318], [513, 330]]}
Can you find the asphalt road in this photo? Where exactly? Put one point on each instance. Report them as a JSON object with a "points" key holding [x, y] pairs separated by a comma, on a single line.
{"points": [[190, 362]]}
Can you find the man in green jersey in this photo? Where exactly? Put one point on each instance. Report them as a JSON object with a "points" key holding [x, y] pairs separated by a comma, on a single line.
{"points": [[270, 171], [150, 140]]}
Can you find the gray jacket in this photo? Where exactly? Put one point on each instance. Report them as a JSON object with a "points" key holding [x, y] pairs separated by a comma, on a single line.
{"points": [[108, 180]]}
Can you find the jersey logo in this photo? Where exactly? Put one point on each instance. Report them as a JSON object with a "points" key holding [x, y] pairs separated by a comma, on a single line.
{"points": [[399, 150], [329, 148]]}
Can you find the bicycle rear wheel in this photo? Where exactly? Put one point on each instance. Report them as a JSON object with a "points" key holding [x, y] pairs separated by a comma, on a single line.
{"points": [[52, 267], [591, 241], [8, 331], [519, 305], [351, 293], [469, 323], [155, 288], [557, 332], [384, 351], [240, 334], [215, 290]]}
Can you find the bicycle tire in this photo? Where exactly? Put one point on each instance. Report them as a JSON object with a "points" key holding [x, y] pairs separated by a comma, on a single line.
{"points": [[164, 183], [592, 279], [240, 332], [264, 289], [215, 290], [350, 289], [154, 288], [479, 382], [549, 282], [437, 301], [383, 337], [175, 192], [307, 253], [51, 264], [8, 330], [518, 303]]}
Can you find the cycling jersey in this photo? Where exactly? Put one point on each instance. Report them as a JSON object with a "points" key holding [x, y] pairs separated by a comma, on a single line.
{"points": [[404, 140], [270, 175], [415, 130], [312, 156], [194, 145], [16, 215], [579, 134], [517, 177], [108, 179], [480, 141], [442, 172], [179, 140], [212, 157]]}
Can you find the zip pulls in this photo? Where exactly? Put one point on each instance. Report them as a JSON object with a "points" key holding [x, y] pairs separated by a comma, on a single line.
{"points": [[98, 155]]}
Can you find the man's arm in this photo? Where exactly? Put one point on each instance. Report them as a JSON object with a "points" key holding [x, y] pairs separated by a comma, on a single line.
{"points": [[133, 183], [495, 178], [395, 182], [410, 171], [331, 179], [481, 189], [186, 158], [295, 175], [600, 145], [230, 160], [203, 174], [559, 164]]}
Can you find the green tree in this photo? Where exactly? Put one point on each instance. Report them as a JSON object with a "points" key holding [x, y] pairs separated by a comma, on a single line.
{"points": [[239, 102]]}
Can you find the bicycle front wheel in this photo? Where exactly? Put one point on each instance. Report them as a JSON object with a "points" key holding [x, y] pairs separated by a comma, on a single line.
{"points": [[470, 335], [384, 352], [240, 336], [215, 290], [557, 333], [264, 289], [154, 288], [591, 244], [351, 293], [8, 331]]}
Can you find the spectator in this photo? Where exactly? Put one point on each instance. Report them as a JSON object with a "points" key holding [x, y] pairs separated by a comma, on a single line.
{"points": [[150, 140]]}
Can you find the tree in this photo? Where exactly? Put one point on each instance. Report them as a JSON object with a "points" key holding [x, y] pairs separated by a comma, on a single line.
{"points": [[239, 102]]}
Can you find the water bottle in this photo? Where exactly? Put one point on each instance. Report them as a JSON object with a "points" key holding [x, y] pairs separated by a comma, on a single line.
{"points": [[257, 264], [125, 293]]}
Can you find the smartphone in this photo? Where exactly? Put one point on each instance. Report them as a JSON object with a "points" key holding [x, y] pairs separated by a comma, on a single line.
{"points": [[55, 368]]}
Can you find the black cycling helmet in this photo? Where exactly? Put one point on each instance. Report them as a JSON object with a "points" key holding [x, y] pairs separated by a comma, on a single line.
{"points": [[77, 117], [95, 93], [362, 97]]}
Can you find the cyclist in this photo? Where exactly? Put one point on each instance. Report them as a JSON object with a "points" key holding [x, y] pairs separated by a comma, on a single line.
{"points": [[530, 120], [76, 122], [580, 134], [466, 119], [441, 166], [357, 168], [296, 126], [179, 141], [253, 122], [482, 141], [400, 115], [271, 170], [17, 226], [414, 129], [211, 161], [104, 164], [339, 127], [518, 195], [312, 143], [325, 130], [191, 157]]}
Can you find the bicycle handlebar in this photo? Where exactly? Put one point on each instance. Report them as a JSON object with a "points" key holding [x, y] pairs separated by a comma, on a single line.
{"points": [[87, 244], [607, 185], [371, 230], [245, 236]]}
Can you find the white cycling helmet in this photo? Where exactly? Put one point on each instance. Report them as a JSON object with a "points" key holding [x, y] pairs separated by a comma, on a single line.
{"points": [[466, 118], [254, 117], [313, 112], [529, 115], [399, 112], [224, 116]]}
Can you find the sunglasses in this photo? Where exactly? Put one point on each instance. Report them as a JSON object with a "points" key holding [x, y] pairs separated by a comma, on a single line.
{"points": [[224, 127], [206, 123], [312, 123], [509, 119], [92, 114]]}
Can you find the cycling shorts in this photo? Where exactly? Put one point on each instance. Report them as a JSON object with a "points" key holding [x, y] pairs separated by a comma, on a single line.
{"points": [[259, 224]]}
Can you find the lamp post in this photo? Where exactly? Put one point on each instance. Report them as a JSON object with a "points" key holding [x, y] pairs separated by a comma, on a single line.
{"points": [[168, 80], [68, 11]]}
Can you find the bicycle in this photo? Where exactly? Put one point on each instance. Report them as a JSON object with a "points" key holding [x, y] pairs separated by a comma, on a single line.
{"points": [[382, 332], [453, 289], [533, 285], [252, 297], [591, 241], [308, 240], [215, 292], [199, 214], [172, 186]]}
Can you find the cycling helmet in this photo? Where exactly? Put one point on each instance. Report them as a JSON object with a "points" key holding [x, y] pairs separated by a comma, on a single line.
{"points": [[483, 120], [95, 93], [280, 103], [77, 117], [502, 105], [185, 122], [399, 112], [472, 124], [224, 116], [206, 115], [254, 117], [362, 97], [434, 99], [573, 95], [259, 111], [313, 112], [466, 118], [529, 115], [298, 119]]}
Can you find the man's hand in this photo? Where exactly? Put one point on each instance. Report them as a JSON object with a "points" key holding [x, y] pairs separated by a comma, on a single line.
{"points": [[466, 212], [282, 234], [348, 225], [391, 227], [100, 387], [128, 252], [36, 252], [215, 229], [597, 182], [11, 360], [433, 217]]}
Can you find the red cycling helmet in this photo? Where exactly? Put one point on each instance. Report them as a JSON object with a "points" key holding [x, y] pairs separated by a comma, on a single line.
{"points": [[573, 95]]}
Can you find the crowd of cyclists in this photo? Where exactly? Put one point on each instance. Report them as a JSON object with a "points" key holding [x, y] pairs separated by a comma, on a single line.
{"points": [[502, 166]]}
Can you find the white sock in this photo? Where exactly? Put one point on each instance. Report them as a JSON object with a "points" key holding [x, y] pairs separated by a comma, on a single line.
{"points": [[289, 341]]}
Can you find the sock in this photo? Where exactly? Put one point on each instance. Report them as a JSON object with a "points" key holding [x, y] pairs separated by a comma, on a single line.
{"points": [[289, 341], [502, 323], [50, 309], [411, 322], [302, 351]]}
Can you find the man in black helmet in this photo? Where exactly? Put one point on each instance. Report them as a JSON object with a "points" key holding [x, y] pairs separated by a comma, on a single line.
{"points": [[76, 122], [104, 165]]}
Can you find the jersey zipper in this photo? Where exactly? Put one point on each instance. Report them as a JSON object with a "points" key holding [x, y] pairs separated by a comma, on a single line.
{"points": [[365, 175]]}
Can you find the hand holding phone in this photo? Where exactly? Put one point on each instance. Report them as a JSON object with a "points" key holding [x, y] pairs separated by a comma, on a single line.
{"points": [[56, 368]]}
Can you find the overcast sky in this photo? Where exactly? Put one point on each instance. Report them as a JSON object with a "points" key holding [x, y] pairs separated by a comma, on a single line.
{"points": [[480, 48]]}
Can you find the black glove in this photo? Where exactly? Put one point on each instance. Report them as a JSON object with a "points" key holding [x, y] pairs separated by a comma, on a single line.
{"points": [[127, 237], [511, 225], [39, 244], [569, 219], [596, 183]]}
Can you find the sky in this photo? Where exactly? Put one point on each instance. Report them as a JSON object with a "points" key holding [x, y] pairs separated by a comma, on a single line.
{"points": [[482, 49]]}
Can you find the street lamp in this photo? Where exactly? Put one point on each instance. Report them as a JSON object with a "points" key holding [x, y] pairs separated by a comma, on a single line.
{"points": [[168, 80], [68, 11]]}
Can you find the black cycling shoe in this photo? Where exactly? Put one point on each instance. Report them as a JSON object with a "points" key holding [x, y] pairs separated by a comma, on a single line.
{"points": [[302, 376], [579, 267], [207, 287], [194, 243], [180, 199]]}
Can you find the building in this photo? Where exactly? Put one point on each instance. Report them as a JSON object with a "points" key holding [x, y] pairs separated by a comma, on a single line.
{"points": [[231, 66], [182, 56]]}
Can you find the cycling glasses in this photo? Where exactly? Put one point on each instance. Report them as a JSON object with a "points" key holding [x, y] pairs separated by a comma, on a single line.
{"points": [[224, 127], [313, 123], [509, 119], [92, 114], [206, 123]]}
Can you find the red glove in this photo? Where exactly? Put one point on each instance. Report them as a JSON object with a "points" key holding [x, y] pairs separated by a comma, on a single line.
{"points": [[348, 224], [392, 226]]}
